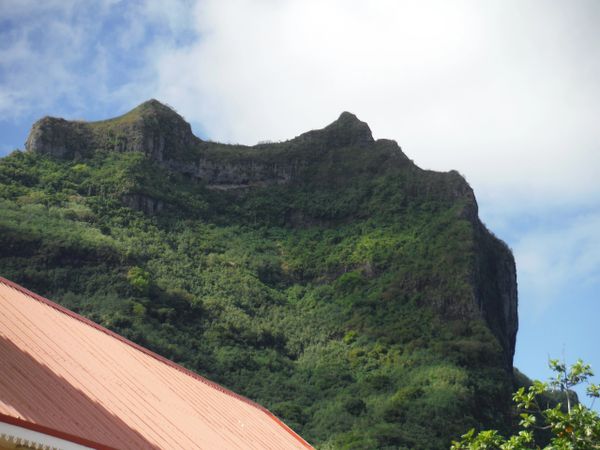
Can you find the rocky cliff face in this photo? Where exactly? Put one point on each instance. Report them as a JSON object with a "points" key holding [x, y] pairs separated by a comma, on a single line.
{"points": [[59, 138], [332, 156], [152, 128], [165, 137], [495, 288]]}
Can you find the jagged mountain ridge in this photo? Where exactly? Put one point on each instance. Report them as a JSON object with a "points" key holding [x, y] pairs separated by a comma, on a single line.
{"points": [[164, 136], [326, 277]]}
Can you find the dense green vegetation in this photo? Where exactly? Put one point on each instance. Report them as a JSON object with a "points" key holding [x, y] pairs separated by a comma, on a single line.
{"points": [[343, 303]]}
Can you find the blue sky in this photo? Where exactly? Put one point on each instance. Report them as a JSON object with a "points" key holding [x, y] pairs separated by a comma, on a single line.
{"points": [[506, 92]]}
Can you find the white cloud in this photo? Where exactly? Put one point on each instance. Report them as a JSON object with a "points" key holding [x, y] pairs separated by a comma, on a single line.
{"points": [[23, 9], [505, 92], [69, 57], [554, 261]]}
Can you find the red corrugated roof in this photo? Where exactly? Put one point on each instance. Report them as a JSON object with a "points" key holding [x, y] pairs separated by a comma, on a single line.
{"points": [[66, 376]]}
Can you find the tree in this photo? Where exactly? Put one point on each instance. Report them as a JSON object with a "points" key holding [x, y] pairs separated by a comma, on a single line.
{"points": [[573, 427]]}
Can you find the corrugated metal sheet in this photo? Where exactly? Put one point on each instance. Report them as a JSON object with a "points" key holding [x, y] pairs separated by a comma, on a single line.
{"points": [[62, 372]]}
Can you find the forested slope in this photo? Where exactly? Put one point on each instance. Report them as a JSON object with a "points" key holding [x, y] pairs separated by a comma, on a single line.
{"points": [[326, 277]]}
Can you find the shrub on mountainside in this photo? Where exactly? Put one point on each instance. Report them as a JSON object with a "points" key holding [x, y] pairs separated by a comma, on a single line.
{"points": [[570, 425]]}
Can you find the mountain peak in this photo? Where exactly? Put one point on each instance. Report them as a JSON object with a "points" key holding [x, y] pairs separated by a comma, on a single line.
{"points": [[152, 128], [152, 103], [347, 116], [346, 131], [154, 106], [350, 128]]}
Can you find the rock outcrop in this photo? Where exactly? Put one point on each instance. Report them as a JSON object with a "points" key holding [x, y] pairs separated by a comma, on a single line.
{"points": [[152, 128], [346, 131], [60, 138]]}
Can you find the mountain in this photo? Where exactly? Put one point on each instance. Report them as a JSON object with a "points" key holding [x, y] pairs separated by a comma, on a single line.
{"points": [[327, 277]]}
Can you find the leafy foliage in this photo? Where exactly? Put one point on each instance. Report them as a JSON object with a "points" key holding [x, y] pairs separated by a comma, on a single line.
{"points": [[574, 427]]}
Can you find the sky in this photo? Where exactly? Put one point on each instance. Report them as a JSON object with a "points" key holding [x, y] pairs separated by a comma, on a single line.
{"points": [[507, 92]]}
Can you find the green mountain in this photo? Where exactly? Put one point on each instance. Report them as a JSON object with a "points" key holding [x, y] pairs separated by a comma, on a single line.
{"points": [[327, 277]]}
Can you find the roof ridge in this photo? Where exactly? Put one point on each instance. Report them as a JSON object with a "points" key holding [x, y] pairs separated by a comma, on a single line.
{"points": [[152, 354]]}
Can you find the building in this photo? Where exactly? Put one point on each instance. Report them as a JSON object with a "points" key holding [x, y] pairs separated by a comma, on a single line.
{"points": [[68, 383]]}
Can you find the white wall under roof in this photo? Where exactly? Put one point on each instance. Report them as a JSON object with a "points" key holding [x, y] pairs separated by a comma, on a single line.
{"points": [[15, 435]]}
